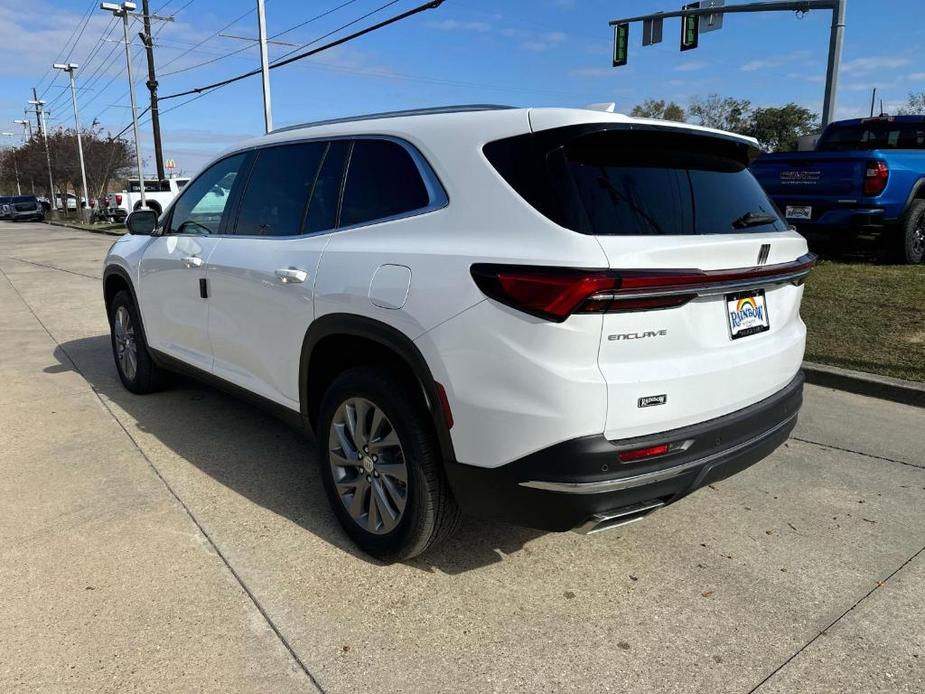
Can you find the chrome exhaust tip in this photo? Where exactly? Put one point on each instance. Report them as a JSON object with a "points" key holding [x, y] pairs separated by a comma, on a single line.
{"points": [[607, 520]]}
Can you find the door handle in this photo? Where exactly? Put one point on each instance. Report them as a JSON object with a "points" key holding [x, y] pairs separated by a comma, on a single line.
{"points": [[193, 261], [291, 274]]}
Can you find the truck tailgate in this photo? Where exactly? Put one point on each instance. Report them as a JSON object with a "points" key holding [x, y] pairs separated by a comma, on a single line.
{"points": [[811, 174]]}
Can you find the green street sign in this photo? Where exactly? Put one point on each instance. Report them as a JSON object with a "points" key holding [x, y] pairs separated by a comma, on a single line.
{"points": [[621, 40], [690, 28]]}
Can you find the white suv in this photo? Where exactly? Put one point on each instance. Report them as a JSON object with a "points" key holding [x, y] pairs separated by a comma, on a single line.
{"points": [[560, 318]]}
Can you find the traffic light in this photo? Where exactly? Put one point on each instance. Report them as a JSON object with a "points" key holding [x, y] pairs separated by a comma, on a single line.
{"points": [[621, 40], [690, 28]]}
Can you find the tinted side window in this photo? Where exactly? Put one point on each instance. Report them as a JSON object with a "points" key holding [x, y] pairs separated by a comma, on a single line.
{"points": [[322, 210], [382, 181], [202, 206], [278, 189]]}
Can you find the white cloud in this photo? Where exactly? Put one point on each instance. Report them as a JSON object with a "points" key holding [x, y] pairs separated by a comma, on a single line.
{"points": [[456, 25], [916, 77], [865, 66], [592, 72], [690, 66], [753, 65], [544, 42]]}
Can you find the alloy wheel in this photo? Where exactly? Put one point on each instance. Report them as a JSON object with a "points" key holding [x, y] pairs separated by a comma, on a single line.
{"points": [[368, 465], [126, 347], [918, 236]]}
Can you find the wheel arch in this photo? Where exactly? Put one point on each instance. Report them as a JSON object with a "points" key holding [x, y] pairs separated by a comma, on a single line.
{"points": [[323, 351], [115, 279], [917, 193]]}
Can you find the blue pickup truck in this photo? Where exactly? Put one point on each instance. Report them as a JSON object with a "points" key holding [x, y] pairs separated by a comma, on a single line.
{"points": [[865, 179]]}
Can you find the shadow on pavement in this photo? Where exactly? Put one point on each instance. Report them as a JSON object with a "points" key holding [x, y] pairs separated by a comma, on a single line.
{"points": [[263, 459]]}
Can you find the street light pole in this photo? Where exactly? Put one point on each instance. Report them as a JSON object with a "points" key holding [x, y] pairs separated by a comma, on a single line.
{"points": [[40, 114], [122, 11], [836, 39], [264, 65], [69, 69]]}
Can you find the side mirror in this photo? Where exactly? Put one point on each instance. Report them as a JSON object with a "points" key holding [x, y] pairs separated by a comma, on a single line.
{"points": [[141, 222]]}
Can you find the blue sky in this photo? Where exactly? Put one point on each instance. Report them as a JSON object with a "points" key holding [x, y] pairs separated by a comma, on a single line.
{"points": [[521, 52]]}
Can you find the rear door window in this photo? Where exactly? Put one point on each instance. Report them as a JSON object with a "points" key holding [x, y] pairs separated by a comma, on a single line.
{"points": [[382, 181], [278, 190]]}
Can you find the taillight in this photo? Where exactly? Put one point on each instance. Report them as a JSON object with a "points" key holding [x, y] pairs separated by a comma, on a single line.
{"points": [[556, 293], [876, 175], [118, 199]]}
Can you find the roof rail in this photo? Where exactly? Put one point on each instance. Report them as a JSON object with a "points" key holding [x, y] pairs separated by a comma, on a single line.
{"points": [[397, 114]]}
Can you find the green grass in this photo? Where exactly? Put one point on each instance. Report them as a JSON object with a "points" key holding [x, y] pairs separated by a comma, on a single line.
{"points": [[867, 317]]}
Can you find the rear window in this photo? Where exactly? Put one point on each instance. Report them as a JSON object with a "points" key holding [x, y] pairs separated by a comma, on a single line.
{"points": [[874, 135], [638, 183]]}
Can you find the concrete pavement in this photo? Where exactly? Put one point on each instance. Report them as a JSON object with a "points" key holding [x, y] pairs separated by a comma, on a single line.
{"points": [[182, 541]]}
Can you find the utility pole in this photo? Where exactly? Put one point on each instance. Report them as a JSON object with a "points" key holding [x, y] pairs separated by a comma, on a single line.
{"points": [[70, 68], [122, 11], [40, 117], [26, 129], [264, 65], [15, 166], [148, 41], [713, 12], [35, 98]]}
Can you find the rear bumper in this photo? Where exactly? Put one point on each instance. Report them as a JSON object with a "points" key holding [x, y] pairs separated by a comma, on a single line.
{"points": [[832, 216], [567, 485]]}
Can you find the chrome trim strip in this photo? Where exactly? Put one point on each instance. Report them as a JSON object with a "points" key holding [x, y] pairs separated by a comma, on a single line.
{"points": [[462, 108], [650, 477], [707, 289]]}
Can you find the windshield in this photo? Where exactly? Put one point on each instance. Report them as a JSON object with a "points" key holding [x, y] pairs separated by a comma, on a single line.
{"points": [[638, 182], [867, 136]]}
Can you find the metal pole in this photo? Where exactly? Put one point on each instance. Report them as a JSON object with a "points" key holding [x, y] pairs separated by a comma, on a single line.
{"points": [[264, 65], [51, 183], [35, 98], [152, 88], [836, 38], [16, 173], [131, 89], [80, 150]]}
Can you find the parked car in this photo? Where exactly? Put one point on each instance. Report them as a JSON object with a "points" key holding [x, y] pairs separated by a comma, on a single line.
{"points": [[158, 195], [5, 209], [26, 208], [559, 318], [866, 178]]}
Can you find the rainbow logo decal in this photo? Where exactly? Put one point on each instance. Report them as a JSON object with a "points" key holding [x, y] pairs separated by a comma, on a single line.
{"points": [[747, 313]]}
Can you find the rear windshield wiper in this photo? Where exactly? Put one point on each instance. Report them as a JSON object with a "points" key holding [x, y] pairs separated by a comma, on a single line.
{"points": [[753, 219]]}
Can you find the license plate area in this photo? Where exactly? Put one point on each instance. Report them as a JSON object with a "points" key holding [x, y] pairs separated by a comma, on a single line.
{"points": [[798, 212], [746, 313]]}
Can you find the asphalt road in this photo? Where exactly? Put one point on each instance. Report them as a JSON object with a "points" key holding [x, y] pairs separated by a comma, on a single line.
{"points": [[182, 542]]}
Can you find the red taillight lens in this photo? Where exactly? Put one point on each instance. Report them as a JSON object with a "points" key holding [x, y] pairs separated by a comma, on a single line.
{"points": [[641, 453], [876, 176], [557, 293], [118, 199]]}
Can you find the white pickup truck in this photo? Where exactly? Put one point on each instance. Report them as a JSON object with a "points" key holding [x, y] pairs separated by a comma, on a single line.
{"points": [[158, 195]]}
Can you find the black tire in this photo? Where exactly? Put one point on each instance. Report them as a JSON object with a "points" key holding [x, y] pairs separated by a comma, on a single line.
{"points": [[911, 237], [146, 377], [430, 513]]}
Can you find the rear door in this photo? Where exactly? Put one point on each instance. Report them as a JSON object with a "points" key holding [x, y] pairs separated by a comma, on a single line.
{"points": [[260, 280], [173, 266]]}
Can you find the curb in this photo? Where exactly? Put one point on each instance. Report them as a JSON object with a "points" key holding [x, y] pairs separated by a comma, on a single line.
{"points": [[883, 387], [108, 232]]}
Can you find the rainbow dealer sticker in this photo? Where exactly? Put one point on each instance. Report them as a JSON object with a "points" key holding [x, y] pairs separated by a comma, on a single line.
{"points": [[747, 313]]}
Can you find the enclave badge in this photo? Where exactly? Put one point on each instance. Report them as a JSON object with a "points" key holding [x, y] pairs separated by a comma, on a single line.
{"points": [[652, 400]]}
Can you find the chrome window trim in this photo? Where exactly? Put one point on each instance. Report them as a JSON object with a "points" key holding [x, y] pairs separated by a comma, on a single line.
{"points": [[436, 192]]}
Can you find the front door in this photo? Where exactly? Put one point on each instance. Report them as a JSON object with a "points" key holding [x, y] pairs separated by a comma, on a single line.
{"points": [[261, 278], [172, 270]]}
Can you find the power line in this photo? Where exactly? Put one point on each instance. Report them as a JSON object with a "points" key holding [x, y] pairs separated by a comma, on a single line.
{"points": [[63, 49], [80, 34], [209, 38], [284, 60], [277, 35]]}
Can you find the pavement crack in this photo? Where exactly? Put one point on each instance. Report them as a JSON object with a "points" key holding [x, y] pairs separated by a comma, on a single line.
{"points": [[835, 621], [237, 577], [849, 450], [52, 267]]}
